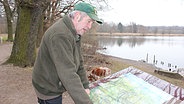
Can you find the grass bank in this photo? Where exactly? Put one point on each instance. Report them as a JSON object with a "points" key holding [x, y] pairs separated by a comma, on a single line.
{"points": [[117, 64]]}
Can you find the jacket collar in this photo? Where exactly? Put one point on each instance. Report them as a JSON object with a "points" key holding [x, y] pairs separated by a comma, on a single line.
{"points": [[68, 22]]}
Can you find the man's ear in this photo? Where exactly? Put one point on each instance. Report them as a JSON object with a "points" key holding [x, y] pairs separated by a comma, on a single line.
{"points": [[77, 16]]}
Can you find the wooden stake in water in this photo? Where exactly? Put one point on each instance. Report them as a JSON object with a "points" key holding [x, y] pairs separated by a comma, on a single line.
{"points": [[147, 57], [154, 59]]}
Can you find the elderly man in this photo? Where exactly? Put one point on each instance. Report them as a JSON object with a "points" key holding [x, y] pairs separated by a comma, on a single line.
{"points": [[59, 65]]}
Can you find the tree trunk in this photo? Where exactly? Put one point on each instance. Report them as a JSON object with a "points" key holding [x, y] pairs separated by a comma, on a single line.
{"points": [[19, 52], [9, 18], [24, 47]]}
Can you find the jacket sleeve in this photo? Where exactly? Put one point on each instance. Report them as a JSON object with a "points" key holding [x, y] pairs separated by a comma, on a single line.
{"points": [[82, 74], [81, 71], [61, 50]]}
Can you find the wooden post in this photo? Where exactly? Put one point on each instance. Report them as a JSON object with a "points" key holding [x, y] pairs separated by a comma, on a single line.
{"points": [[147, 57], [154, 59]]}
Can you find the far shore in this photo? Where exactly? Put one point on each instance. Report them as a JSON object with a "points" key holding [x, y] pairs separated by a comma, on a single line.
{"points": [[135, 34], [121, 34]]}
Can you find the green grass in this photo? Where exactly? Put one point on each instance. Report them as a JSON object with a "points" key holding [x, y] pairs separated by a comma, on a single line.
{"points": [[4, 36], [117, 65]]}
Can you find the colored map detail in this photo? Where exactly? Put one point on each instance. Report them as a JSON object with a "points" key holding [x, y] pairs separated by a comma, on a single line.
{"points": [[128, 89]]}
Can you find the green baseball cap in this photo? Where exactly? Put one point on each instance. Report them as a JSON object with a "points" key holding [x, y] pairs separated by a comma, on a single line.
{"points": [[89, 10]]}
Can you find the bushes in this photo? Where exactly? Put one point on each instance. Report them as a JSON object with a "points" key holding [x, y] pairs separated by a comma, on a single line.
{"points": [[91, 56]]}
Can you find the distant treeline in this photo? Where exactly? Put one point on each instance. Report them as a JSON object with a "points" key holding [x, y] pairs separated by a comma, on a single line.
{"points": [[120, 28], [134, 28]]}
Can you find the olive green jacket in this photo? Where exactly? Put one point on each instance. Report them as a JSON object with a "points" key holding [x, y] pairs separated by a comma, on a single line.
{"points": [[59, 64]]}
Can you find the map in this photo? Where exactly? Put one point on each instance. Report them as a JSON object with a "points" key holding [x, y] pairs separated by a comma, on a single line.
{"points": [[128, 89]]}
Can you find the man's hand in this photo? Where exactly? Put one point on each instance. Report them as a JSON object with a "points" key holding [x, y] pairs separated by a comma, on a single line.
{"points": [[87, 91]]}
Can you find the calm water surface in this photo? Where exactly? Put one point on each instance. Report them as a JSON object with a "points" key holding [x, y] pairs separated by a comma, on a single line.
{"points": [[166, 51]]}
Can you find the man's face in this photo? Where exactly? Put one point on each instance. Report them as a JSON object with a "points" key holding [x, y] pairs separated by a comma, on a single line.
{"points": [[83, 24]]}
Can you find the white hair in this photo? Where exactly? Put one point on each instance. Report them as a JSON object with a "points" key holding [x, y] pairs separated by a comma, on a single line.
{"points": [[72, 14]]}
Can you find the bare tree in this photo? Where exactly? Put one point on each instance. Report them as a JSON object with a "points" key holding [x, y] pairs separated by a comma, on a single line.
{"points": [[58, 8], [29, 17], [9, 17], [55, 10]]}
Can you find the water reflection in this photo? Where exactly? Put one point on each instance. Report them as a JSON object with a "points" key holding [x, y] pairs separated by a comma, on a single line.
{"points": [[166, 49], [133, 41]]}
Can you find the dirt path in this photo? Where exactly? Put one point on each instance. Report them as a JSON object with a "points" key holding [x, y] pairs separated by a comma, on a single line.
{"points": [[15, 82], [5, 51]]}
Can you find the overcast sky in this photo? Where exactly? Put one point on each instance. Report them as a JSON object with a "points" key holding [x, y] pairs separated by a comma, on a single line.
{"points": [[145, 12]]}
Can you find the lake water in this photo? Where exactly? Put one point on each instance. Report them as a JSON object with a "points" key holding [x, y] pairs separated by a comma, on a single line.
{"points": [[164, 52]]}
